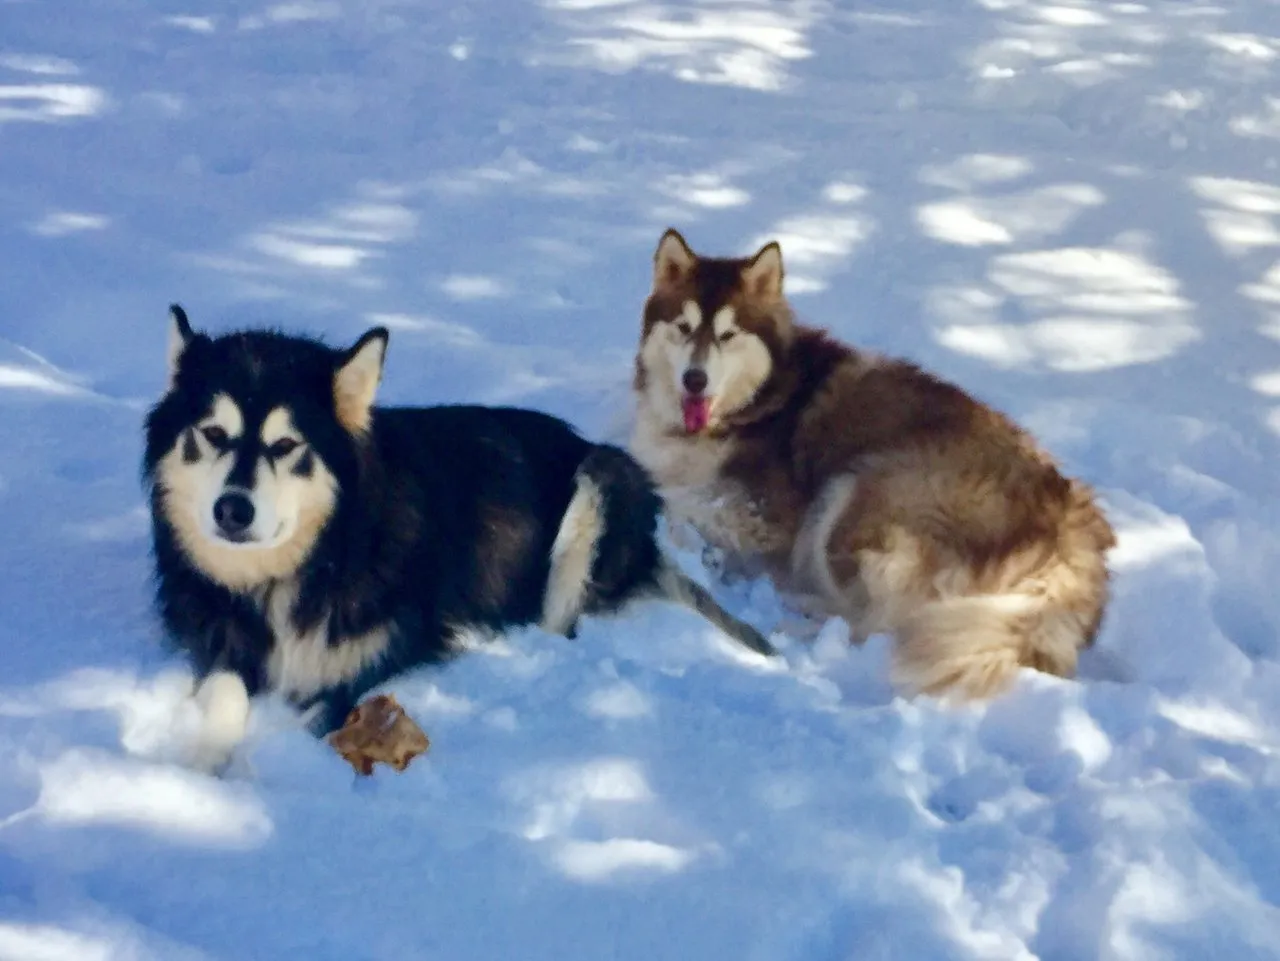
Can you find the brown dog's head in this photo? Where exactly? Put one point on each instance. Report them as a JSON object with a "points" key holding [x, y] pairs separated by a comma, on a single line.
{"points": [[713, 328]]}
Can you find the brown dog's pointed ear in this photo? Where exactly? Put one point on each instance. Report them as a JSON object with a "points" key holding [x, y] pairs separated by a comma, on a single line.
{"points": [[673, 261], [180, 334], [356, 380], [762, 277]]}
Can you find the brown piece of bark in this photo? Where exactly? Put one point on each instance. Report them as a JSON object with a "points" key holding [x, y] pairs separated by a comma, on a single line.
{"points": [[379, 731]]}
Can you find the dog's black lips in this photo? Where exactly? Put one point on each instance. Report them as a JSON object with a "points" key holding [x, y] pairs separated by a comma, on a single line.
{"points": [[246, 538]]}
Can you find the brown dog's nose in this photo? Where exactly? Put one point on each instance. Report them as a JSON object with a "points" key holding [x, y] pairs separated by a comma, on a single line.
{"points": [[695, 380]]}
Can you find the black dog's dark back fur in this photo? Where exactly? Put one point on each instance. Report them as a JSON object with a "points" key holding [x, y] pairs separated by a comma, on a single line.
{"points": [[485, 489]]}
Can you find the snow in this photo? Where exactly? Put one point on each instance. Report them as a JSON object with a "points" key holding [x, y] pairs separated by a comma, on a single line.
{"points": [[1072, 208]]}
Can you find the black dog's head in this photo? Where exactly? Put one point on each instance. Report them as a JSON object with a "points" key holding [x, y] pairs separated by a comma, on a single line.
{"points": [[251, 443]]}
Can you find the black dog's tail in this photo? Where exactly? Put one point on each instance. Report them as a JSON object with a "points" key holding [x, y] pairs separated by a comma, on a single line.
{"points": [[606, 552], [678, 587]]}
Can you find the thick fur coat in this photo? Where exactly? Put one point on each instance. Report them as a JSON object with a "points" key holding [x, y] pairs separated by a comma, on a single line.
{"points": [[309, 543], [865, 486]]}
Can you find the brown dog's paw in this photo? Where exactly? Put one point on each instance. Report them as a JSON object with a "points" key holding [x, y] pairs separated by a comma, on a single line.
{"points": [[379, 731]]}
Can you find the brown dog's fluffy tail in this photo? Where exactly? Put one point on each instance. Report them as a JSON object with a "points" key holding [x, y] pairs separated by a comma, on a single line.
{"points": [[972, 647]]}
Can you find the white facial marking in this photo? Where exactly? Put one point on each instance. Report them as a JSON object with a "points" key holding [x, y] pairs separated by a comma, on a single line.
{"points": [[279, 495], [691, 314], [725, 321], [225, 413], [292, 500], [282, 441], [276, 426], [736, 369]]}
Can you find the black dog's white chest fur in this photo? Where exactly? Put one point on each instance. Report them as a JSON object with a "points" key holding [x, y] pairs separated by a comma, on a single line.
{"points": [[304, 662]]}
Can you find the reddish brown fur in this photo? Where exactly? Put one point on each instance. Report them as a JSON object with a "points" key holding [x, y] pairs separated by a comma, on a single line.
{"points": [[961, 537]]}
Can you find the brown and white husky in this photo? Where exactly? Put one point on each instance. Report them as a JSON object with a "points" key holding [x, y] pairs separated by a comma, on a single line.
{"points": [[861, 484]]}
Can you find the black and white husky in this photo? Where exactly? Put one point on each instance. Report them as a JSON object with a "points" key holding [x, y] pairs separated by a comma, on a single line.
{"points": [[309, 543]]}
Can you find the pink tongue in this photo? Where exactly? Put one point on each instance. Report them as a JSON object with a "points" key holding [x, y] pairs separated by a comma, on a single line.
{"points": [[696, 412]]}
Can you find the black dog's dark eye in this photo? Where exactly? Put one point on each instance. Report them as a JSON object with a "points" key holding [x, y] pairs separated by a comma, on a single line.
{"points": [[282, 448], [216, 436], [726, 336], [684, 328]]}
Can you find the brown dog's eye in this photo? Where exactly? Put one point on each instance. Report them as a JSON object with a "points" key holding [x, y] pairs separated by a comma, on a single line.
{"points": [[684, 328], [282, 448], [727, 336], [216, 436]]}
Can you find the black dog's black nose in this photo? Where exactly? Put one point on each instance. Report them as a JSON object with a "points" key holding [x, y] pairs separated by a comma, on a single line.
{"points": [[695, 380], [233, 512]]}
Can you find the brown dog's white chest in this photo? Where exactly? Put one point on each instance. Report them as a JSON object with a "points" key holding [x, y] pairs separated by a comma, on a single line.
{"points": [[676, 461], [690, 473]]}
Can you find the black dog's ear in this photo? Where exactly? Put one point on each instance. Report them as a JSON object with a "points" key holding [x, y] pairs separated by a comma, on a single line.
{"points": [[180, 334], [356, 380]]}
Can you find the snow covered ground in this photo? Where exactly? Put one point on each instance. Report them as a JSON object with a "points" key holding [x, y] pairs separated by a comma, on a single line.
{"points": [[1072, 207]]}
